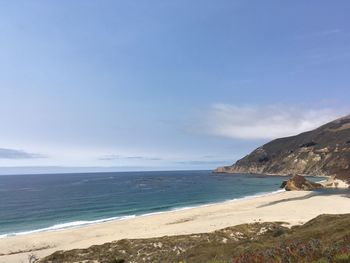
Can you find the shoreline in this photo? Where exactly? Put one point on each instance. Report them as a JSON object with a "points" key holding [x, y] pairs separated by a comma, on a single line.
{"points": [[85, 223], [291, 207]]}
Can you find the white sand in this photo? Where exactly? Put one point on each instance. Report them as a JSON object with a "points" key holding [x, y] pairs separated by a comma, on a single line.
{"points": [[291, 207]]}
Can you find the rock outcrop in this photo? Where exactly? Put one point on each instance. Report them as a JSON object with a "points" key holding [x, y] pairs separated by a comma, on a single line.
{"points": [[324, 151], [299, 183]]}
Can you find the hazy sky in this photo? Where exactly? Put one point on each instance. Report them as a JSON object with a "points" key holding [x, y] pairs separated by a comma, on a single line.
{"points": [[166, 84]]}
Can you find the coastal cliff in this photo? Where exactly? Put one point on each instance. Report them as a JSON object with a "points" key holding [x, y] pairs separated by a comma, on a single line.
{"points": [[324, 151]]}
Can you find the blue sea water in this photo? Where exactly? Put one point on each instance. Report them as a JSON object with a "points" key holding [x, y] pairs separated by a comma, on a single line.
{"points": [[31, 203]]}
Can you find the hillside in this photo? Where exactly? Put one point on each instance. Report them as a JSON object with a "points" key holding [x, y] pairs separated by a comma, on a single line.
{"points": [[324, 151], [325, 238]]}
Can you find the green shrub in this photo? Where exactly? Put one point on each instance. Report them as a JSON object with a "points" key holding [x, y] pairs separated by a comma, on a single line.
{"points": [[344, 258], [118, 261]]}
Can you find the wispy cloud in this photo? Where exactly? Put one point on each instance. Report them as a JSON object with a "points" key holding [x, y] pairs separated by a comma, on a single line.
{"points": [[322, 33], [113, 157], [263, 122], [203, 162], [327, 32], [18, 154]]}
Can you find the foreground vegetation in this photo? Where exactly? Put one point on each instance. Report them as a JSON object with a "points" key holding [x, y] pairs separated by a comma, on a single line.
{"points": [[323, 239]]}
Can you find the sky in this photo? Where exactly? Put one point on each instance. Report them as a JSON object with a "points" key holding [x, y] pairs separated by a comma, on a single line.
{"points": [[161, 85]]}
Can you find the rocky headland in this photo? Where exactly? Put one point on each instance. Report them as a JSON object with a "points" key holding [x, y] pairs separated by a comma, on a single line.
{"points": [[324, 151]]}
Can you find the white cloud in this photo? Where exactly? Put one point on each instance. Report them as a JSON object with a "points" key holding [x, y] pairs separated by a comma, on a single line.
{"points": [[113, 157], [264, 122]]}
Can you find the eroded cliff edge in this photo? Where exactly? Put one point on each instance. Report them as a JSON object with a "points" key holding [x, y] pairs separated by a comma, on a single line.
{"points": [[324, 151]]}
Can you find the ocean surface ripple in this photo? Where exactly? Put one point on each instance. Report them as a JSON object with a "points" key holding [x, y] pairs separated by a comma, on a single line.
{"points": [[35, 203]]}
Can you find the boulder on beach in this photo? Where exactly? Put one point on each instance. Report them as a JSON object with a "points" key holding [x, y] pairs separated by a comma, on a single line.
{"points": [[299, 183]]}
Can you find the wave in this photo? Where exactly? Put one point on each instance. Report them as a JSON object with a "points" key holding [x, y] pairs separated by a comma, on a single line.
{"points": [[73, 224], [76, 224]]}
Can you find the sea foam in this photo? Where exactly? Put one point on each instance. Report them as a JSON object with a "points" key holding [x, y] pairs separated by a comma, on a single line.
{"points": [[73, 224]]}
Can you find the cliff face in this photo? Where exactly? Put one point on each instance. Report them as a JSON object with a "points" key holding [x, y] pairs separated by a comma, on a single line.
{"points": [[323, 151]]}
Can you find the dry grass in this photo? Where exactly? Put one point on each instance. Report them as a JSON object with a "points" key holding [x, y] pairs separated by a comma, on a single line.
{"points": [[323, 239]]}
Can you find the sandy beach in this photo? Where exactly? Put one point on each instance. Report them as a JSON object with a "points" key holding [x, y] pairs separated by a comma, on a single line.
{"points": [[291, 207]]}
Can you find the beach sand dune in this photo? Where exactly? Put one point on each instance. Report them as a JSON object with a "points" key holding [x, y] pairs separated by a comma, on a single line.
{"points": [[291, 207]]}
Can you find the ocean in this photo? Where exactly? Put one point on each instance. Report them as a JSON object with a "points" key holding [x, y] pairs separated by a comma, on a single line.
{"points": [[34, 203]]}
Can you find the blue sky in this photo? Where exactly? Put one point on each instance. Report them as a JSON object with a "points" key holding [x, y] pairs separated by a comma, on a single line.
{"points": [[165, 84]]}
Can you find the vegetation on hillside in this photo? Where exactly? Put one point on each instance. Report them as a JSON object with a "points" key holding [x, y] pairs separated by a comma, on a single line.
{"points": [[323, 239], [323, 151]]}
